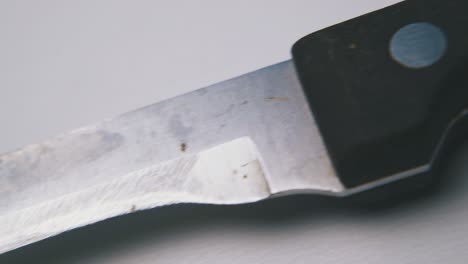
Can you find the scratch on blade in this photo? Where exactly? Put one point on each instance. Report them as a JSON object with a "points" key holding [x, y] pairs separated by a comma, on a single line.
{"points": [[226, 174]]}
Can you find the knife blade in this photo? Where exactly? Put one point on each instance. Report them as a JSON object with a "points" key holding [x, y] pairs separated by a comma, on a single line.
{"points": [[228, 143], [264, 134]]}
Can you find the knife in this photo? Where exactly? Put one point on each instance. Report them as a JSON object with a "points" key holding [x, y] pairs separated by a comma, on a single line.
{"points": [[362, 104]]}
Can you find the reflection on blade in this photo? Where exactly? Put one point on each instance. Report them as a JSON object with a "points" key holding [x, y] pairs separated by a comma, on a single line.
{"points": [[227, 174]]}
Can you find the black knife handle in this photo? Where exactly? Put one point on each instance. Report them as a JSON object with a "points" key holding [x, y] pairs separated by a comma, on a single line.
{"points": [[389, 90]]}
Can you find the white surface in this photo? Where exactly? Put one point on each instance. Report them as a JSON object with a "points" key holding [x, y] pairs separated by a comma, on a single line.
{"points": [[64, 64]]}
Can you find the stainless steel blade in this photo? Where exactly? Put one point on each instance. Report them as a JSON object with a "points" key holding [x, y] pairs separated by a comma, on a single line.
{"points": [[238, 141]]}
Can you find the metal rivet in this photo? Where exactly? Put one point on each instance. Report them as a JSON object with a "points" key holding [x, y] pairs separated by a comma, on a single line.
{"points": [[418, 45]]}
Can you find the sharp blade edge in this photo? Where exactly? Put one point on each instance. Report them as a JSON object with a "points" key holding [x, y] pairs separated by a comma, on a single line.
{"points": [[227, 174]]}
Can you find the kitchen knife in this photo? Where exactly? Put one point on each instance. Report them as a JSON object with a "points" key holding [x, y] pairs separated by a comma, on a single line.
{"points": [[361, 104]]}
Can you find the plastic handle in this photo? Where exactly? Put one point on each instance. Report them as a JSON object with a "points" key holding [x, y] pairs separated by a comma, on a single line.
{"points": [[389, 90]]}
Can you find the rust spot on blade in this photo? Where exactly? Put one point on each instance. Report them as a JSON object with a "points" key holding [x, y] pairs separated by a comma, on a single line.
{"points": [[183, 147]]}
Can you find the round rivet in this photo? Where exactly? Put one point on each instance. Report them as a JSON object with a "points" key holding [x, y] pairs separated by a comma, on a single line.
{"points": [[418, 45]]}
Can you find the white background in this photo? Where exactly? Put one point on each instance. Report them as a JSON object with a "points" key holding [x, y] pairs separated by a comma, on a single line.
{"points": [[64, 64]]}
